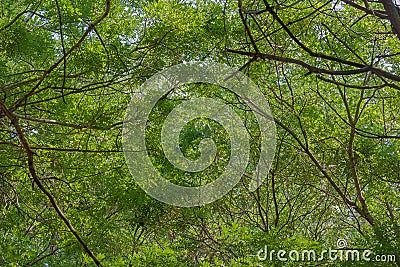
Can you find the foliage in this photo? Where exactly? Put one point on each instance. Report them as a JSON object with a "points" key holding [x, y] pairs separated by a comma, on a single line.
{"points": [[330, 71]]}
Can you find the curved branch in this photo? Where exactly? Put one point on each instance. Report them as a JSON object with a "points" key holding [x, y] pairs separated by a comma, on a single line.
{"points": [[66, 54], [31, 166], [393, 14], [376, 13], [312, 69]]}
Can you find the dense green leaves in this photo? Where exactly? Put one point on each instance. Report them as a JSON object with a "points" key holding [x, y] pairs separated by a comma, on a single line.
{"points": [[330, 71]]}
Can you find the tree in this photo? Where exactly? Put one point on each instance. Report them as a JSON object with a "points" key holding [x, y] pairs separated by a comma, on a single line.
{"points": [[329, 70]]}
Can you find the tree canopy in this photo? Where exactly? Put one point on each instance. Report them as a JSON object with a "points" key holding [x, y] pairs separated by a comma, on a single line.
{"points": [[330, 71]]}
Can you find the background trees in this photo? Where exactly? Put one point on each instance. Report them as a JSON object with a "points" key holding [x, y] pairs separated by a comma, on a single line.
{"points": [[329, 69]]}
